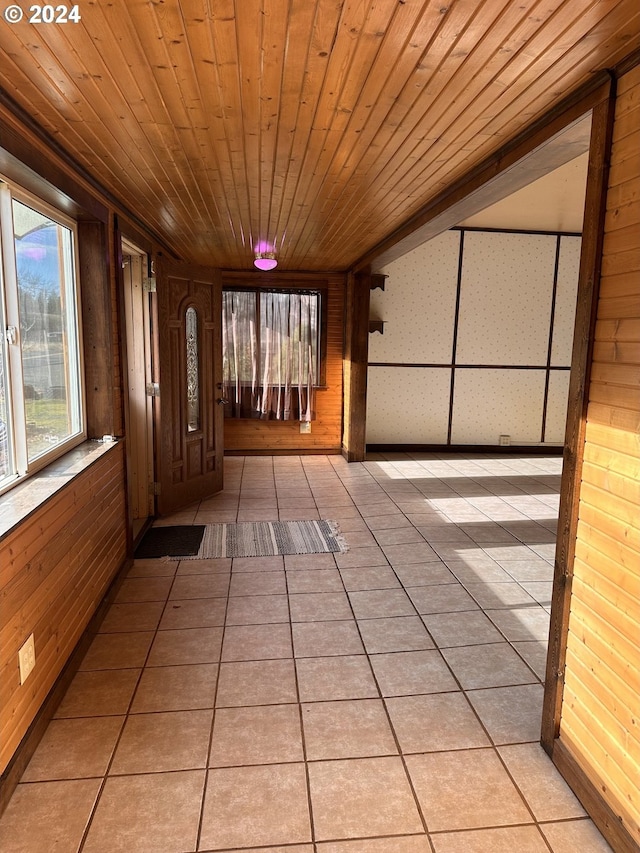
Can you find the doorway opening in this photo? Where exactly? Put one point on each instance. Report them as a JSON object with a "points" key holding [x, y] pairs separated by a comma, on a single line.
{"points": [[139, 377]]}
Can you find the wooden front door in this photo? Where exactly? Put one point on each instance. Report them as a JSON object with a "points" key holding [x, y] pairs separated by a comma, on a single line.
{"points": [[189, 453]]}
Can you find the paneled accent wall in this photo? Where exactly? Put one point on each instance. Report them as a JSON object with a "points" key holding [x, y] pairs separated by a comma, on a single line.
{"points": [[599, 725], [54, 570], [478, 330], [248, 435]]}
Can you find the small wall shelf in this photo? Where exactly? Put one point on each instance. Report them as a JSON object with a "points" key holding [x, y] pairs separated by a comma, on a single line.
{"points": [[377, 281], [376, 326]]}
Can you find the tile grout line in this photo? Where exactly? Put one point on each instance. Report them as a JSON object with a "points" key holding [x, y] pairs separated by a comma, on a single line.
{"points": [[105, 778], [213, 717]]}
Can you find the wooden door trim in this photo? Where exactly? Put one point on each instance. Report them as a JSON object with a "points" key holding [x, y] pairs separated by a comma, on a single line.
{"points": [[586, 311]]}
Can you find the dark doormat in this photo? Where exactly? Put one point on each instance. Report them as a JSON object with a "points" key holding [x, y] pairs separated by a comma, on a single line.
{"points": [[170, 541]]}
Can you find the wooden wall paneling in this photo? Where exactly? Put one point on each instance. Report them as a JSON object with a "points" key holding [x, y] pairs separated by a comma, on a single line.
{"points": [[607, 820], [11, 776], [610, 750], [609, 758], [98, 344], [625, 491], [605, 677], [605, 542], [596, 744], [27, 595], [53, 647], [68, 613], [54, 572]]}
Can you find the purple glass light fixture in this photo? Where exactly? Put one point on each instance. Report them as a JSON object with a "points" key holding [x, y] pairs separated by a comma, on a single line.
{"points": [[265, 259]]}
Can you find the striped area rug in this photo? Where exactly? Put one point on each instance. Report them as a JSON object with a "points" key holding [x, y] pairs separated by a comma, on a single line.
{"points": [[268, 538]]}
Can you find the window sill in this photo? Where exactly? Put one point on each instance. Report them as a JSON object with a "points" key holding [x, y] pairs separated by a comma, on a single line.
{"points": [[18, 503]]}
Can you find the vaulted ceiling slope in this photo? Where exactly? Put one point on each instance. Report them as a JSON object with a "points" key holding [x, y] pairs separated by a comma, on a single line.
{"points": [[315, 127]]}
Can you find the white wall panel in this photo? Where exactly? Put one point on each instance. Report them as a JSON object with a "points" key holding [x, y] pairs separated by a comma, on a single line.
{"points": [[566, 293], [418, 304], [491, 403], [505, 319], [557, 406], [407, 405], [505, 303]]}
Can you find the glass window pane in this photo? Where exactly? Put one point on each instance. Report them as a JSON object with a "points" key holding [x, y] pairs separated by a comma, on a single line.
{"points": [[193, 382], [48, 329], [289, 337], [239, 336]]}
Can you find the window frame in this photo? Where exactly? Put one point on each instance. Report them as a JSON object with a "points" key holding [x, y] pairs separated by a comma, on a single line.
{"points": [[16, 428]]}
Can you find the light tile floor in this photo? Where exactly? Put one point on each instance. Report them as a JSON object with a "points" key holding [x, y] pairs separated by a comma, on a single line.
{"points": [[384, 700]]}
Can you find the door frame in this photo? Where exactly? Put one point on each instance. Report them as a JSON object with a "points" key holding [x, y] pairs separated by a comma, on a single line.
{"points": [[138, 379]]}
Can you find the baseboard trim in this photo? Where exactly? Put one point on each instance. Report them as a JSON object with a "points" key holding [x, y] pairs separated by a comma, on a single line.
{"points": [[286, 451], [511, 449]]}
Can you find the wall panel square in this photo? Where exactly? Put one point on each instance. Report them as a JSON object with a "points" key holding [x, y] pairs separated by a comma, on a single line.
{"points": [[491, 403], [505, 298], [407, 405], [556, 420], [565, 307], [418, 304]]}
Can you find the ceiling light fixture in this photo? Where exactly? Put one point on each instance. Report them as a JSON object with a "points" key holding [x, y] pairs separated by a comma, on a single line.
{"points": [[265, 261]]}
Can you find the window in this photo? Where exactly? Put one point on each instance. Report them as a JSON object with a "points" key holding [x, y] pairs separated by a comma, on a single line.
{"points": [[271, 353], [41, 411]]}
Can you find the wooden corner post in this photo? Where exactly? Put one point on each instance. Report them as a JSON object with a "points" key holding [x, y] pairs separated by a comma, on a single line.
{"points": [[355, 365]]}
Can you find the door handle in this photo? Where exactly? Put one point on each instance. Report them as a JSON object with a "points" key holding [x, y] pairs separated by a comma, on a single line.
{"points": [[221, 401]]}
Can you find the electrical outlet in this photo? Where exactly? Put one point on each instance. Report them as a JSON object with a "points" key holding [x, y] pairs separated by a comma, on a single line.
{"points": [[27, 659], [305, 426], [504, 441]]}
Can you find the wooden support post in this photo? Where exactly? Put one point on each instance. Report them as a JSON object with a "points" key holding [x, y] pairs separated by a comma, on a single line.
{"points": [[355, 366]]}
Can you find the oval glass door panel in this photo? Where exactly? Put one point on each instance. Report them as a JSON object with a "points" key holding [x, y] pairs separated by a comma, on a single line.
{"points": [[193, 379]]}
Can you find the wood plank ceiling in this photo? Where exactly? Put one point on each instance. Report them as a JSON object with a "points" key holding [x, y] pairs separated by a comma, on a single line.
{"points": [[315, 127]]}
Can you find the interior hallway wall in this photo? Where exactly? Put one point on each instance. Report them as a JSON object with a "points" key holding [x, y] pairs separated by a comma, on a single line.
{"points": [[598, 740], [478, 330]]}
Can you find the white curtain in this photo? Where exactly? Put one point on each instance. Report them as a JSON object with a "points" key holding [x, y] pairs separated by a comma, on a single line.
{"points": [[270, 346]]}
